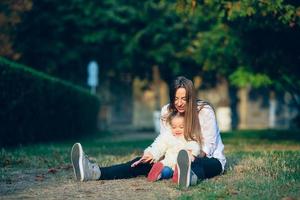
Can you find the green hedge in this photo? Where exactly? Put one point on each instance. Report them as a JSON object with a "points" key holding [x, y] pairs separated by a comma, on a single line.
{"points": [[37, 107]]}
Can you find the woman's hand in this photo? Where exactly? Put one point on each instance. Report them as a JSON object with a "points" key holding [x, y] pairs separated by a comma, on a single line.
{"points": [[147, 157], [192, 157], [202, 154]]}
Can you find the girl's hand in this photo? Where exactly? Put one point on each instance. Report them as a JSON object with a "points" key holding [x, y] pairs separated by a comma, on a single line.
{"points": [[147, 157]]}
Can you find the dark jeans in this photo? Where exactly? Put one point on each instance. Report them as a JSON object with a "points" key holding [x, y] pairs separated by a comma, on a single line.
{"points": [[202, 167], [206, 167], [122, 171]]}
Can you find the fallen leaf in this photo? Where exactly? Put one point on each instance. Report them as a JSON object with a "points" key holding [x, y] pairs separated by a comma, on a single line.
{"points": [[52, 170], [39, 177], [140, 189], [67, 167]]}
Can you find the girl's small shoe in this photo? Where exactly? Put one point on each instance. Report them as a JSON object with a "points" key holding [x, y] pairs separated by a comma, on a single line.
{"points": [[175, 175], [155, 172], [184, 168]]}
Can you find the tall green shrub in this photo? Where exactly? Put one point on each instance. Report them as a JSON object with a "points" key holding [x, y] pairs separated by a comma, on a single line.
{"points": [[36, 107]]}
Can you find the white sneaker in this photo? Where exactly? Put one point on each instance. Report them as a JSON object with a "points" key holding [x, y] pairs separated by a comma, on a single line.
{"points": [[84, 170]]}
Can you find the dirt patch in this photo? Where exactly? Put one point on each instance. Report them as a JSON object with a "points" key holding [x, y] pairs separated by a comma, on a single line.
{"points": [[61, 185]]}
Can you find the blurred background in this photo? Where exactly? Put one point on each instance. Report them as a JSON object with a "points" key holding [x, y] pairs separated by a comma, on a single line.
{"points": [[119, 58]]}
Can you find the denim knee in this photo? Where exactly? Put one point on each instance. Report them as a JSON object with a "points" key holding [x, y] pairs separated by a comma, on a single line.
{"points": [[166, 173]]}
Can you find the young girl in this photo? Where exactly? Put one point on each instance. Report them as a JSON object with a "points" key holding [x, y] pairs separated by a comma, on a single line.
{"points": [[165, 149]]}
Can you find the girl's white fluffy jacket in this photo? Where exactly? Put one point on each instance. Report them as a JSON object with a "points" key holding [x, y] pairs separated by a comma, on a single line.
{"points": [[165, 148]]}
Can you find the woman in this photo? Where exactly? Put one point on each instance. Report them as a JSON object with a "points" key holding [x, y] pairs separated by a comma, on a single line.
{"points": [[200, 125]]}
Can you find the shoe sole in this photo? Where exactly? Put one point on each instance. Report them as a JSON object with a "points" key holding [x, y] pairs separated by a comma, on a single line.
{"points": [[155, 172], [76, 156], [184, 169]]}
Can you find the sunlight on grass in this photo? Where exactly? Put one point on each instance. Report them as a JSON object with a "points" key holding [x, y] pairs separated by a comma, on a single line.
{"points": [[258, 175], [261, 164]]}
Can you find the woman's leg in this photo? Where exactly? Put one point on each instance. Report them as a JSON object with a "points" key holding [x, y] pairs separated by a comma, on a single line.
{"points": [[85, 170], [124, 170], [206, 167]]}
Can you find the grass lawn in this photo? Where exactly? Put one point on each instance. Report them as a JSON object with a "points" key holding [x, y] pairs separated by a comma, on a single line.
{"points": [[261, 164]]}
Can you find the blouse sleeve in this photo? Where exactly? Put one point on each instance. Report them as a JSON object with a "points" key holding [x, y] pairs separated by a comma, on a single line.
{"points": [[159, 146], [164, 128], [209, 129]]}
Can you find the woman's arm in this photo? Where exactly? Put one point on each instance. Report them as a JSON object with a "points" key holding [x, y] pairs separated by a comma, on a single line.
{"points": [[158, 148], [209, 129], [164, 128]]}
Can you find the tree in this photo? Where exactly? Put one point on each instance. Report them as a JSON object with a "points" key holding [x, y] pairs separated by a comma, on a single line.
{"points": [[124, 36], [251, 42], [248, 41], [10, 16]]}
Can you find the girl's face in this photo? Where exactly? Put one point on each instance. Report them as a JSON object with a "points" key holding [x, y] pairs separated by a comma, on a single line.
{"points": [[180, 100], [177, 125]]}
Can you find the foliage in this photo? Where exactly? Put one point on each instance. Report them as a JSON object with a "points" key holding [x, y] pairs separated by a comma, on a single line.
{"points": [[251, 42], [10, 16], [37, 107], [123, 36], [247, 41], [242, 78]]}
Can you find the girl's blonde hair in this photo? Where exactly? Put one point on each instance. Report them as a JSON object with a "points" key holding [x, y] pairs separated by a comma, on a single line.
{"points": [[171, 116]]}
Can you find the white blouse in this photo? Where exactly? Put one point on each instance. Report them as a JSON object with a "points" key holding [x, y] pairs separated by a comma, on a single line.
{"points": [[212, 143]]}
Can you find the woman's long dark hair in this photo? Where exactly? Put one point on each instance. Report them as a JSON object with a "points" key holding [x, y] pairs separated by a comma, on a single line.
{"points": [[192, 129]]}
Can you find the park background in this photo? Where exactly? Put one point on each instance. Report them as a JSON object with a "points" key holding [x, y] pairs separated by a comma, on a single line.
{"points": [[243, 57]]}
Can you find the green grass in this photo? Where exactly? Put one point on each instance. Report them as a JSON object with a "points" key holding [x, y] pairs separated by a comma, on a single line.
{"points": [[254, 175], [261, 164]]}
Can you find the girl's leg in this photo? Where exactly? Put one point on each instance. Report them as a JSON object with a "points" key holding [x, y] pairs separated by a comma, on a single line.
{"points": [[155, 172], [166, 173], [124, 170], [206, 167]]}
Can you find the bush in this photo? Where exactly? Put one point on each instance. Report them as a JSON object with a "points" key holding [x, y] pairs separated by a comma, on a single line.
{"points": [[37, 107]]}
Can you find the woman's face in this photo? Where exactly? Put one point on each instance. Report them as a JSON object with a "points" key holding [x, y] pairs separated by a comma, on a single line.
{"points": [[180, 100]]}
